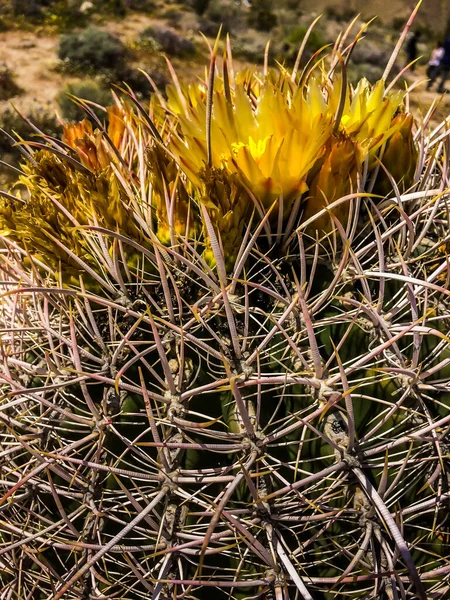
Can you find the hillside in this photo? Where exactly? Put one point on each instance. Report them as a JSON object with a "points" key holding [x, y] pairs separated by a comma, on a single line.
{"points": [[32, 55], [433, 14]]}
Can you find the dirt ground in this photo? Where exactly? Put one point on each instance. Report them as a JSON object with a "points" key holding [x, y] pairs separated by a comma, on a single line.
{"points": [[33, 58]]}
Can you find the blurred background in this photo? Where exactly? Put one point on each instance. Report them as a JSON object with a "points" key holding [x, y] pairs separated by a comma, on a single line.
{"points": [[55, 49]]}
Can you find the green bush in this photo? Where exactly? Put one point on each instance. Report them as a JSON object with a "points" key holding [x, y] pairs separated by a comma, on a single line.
{"points": [[63, 15], [371, 72], [174, 16], [168, 40], [58, 14], [28, 8], [92, 50], [315, 39], [261, 16], [221, 13], [290, 40], [139, 83], [11, 122], [250, 46], [8, 85], [141, 5], [200, 6], [85, 90], [344, 14]]}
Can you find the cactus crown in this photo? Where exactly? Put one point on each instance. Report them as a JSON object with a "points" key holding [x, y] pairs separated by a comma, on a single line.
{"points": [[234, 148]]}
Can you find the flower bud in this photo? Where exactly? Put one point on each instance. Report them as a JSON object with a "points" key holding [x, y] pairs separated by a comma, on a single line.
{"points": [[336, 178], [399, 158]]}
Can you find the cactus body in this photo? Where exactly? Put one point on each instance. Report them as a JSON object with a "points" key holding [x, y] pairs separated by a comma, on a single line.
{"points": [[225, 363]]}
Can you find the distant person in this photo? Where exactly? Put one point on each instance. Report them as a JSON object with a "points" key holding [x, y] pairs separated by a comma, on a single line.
{"points": [[411, 49], [435, 59], [443, 69]]}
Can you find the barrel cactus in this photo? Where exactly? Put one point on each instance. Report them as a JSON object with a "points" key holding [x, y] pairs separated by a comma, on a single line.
{"points": [[225, 354]]}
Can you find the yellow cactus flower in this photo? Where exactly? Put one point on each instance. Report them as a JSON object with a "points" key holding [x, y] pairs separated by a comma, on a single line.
{"points": [[270, 141], [76, 131], [277, 139], [368, 116]]}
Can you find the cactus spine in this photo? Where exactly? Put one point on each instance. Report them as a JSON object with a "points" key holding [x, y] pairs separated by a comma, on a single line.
{"points": [[225, 354]]}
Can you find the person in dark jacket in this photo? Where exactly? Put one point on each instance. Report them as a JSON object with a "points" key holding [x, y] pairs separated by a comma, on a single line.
{"points": [[411, 49], [443, 70]]}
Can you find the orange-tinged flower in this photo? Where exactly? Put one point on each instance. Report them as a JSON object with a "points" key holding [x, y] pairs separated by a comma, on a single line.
{"points": [[116, 125], [88, 144], [76, 131]]}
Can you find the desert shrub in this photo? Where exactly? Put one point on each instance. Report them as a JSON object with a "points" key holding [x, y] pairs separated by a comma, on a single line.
{"points": [[200, 6], [5, 8], [87, 89], [210, 28], [11, 122], [5, 16], [428, 34], [64, 15], [293, 5], [141, 5], [398, 23], [261, 16], [290, 40], [250, 46], [58, 14], [315, 39], [28, 8], [221, 13], [8, 86], [174, 16], [92, 50], [371, 72], [367, 61], [332, 13], [340, 14], [169, 41], [369, 53], [138, 82]]}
